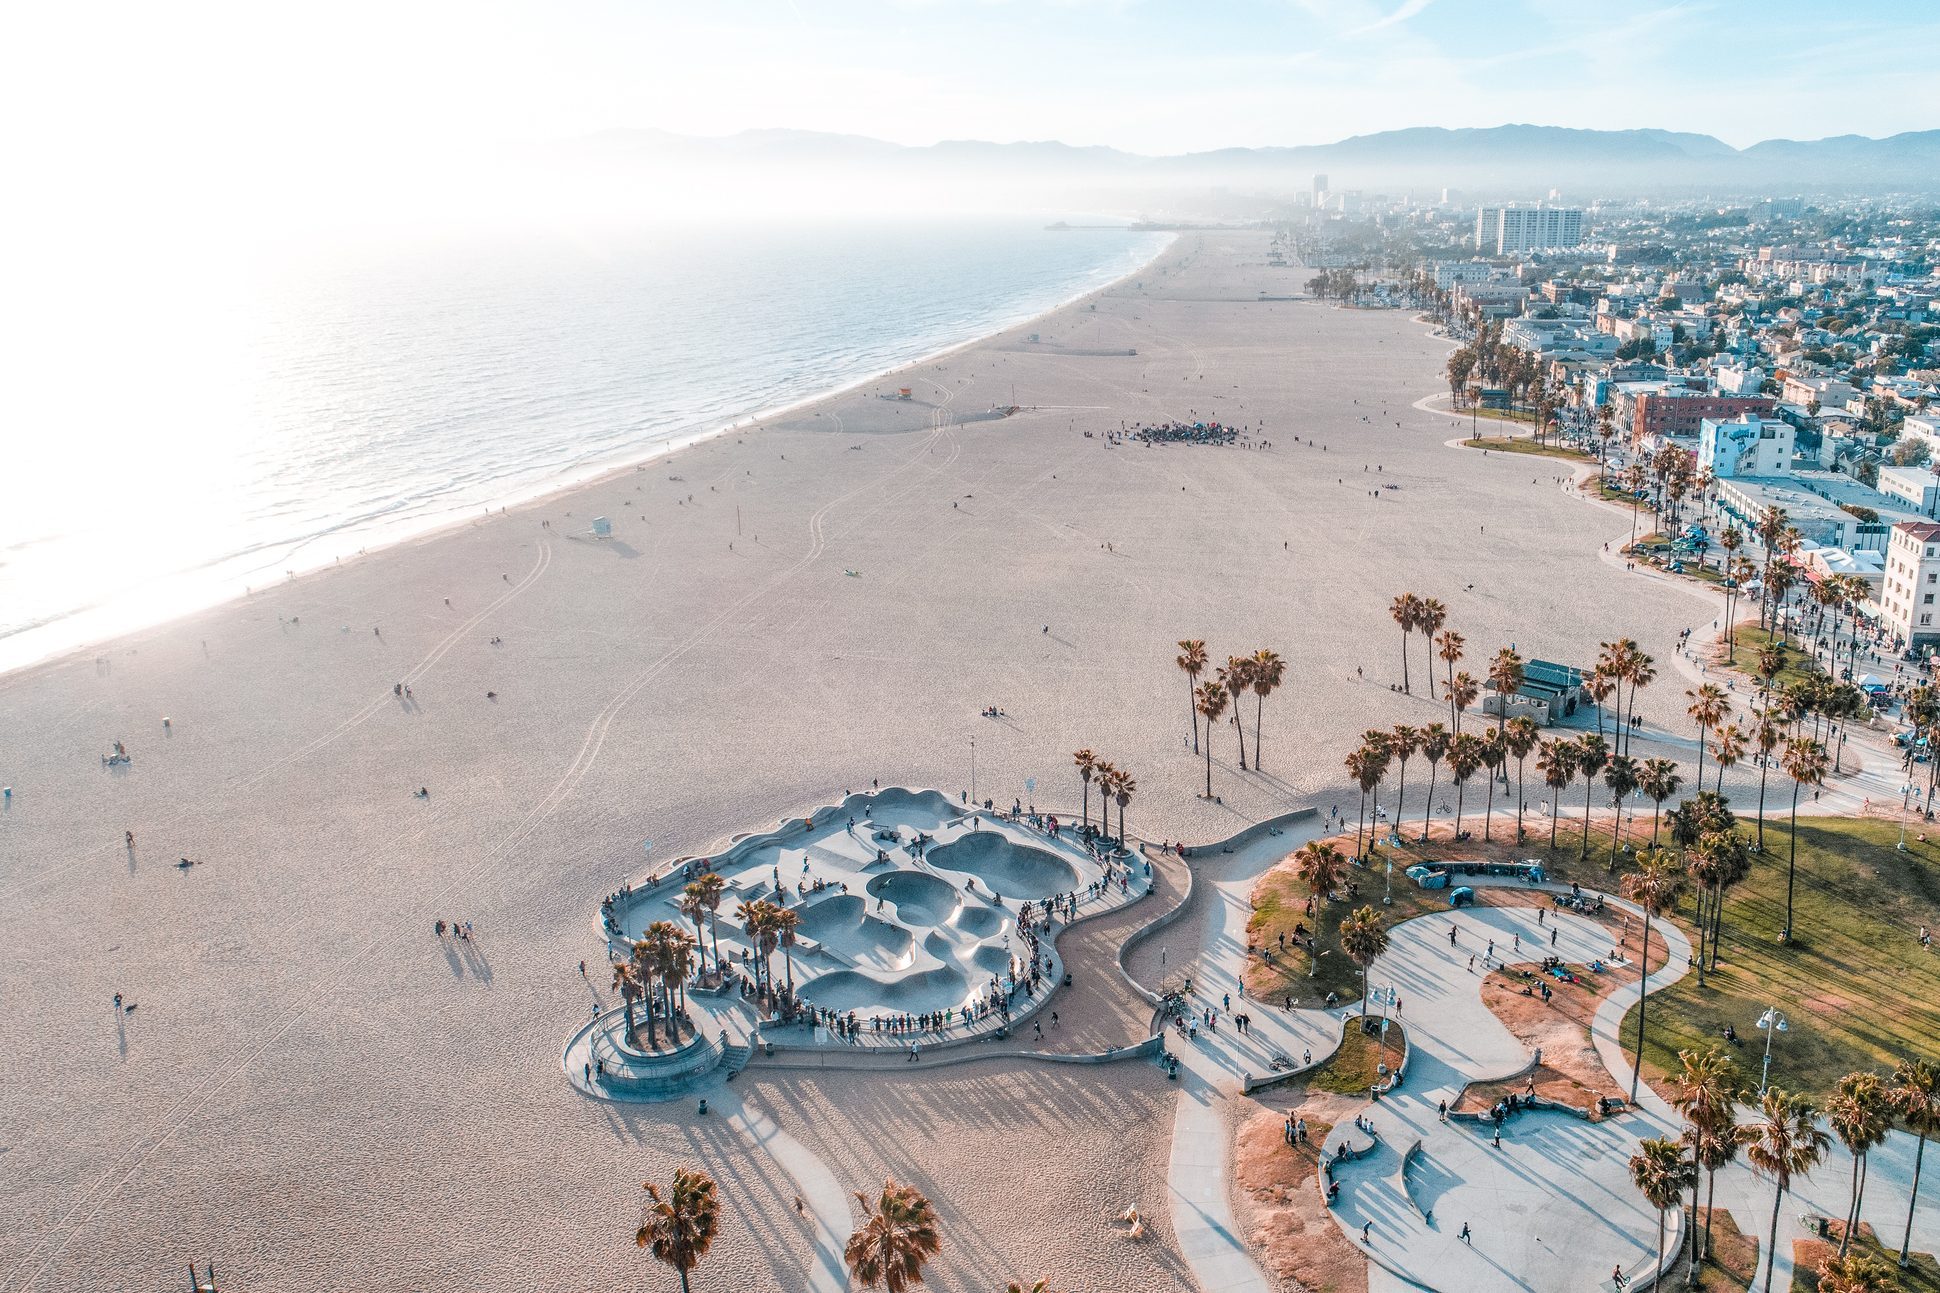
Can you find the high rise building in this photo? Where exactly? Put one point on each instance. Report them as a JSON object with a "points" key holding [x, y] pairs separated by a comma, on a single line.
{"points": [[1320, 187], [1504, 230]]}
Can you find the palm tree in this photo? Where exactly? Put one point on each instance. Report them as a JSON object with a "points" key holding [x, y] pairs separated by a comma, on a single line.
{"points": [[1448, 645], [1192, 659], [1659, 1171], [1765, 734], [1363, 937], [713, 890], [786, 922], [1406, 611], [1556, 760], [1429, 619], [1434, 744], [1088, 762], [1620, 775], [1706, 1091], [1520, 738], [1367, 764], [1464, 757], [1122, 786], [626, 982], [1656, 885], [1462, 691], [897, 1238], [1915, 1094], [1591, 754], [1805, 761], [1846, 1272], [1658, 779], [1268, 671], [1236, 675], [1861, 1115], [663, 948], [1403, 744], [693, 905], [1211, 703], [1506, 676], [1323, 868], [1494, 752], [1599, 686], [1785, 1142], [1726, 749], [678, 1227], [1708, 706]]}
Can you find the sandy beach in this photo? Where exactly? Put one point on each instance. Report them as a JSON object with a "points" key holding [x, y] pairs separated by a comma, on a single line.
{"points": [[317, 1093]]}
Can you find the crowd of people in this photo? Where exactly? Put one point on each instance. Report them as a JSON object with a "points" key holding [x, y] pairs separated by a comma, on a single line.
{"points": [[1178, 432]]}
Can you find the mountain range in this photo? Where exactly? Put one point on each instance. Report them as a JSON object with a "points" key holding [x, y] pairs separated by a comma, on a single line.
{"points": [[1507, 161]]}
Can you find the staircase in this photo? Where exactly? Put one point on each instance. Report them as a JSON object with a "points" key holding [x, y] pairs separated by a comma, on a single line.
{"points": [[735, 1058]]}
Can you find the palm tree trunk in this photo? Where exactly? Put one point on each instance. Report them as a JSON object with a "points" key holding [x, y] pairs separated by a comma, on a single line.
{"points": [[1427, 809], [1360, 819], [1852, 1208], [1259, 711], [1616, 829], [1656, 807], [1764, 770], [1660, 1239], [1589, 785], [1209, 769], [1643, 997], [1710, 1206], [1913, 1196], [1700, 768], [1488, 808], [1240, 728], [1553, 815], [1461, 788], [1771, 1249], [1400, 794], [1193, 711], [1406, 688], [1519, 763]]}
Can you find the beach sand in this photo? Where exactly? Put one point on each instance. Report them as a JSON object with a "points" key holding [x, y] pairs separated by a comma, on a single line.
{"points": [[317, 1093]]}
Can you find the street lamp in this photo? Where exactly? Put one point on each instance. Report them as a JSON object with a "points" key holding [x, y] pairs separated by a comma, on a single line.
{"points": [[1906, 794], [1387, 895], [1773, 1022]]}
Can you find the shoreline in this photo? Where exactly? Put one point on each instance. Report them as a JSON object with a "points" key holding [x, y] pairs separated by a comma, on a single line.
{"points": [[15, 662]]}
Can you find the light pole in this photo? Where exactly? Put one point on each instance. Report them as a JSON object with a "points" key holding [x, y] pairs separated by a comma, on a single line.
{"points": [[1387, 895], [974, 801], [1906, 794], [1773, 1022]]}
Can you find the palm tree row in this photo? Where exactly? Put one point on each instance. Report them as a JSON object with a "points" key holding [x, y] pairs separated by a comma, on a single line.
{"points": [[769, 926], [1115, 786], [1260, 673], [1782, 1139], [898, 1237]]}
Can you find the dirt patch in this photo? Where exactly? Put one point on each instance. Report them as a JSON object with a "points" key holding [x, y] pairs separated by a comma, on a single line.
{"points": [[1281, 1213], [1570, 1072]]}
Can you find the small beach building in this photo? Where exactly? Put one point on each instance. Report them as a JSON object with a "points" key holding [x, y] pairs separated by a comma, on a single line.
{"points": [[1549, 693]]}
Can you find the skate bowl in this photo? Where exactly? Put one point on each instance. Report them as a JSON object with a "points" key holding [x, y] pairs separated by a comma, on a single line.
{"points": [[906, 904], [1013, 870]]}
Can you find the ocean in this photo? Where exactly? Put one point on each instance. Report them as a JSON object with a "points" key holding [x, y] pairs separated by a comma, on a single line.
{"points": [[334, 398]]}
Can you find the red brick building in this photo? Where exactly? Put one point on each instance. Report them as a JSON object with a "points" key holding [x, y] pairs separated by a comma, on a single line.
{"points": [[1678, 413]]}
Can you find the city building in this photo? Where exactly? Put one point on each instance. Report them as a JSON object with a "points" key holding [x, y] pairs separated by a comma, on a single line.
{"points": [[1745, 446], [1916, 487], [1912, 582], [1504, 230], [1682, 413]]}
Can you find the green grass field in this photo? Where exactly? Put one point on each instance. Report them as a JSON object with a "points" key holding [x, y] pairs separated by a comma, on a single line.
{"points": [[1525, 444], [1353, 1069], [1748, 640], [1856, 987]]}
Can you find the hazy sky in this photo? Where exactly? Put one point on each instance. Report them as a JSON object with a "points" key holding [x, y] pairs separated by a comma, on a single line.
{"points": [[388, 78]]}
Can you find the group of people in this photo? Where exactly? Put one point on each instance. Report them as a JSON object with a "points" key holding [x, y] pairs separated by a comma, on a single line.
{"points": [[1178, 432]]}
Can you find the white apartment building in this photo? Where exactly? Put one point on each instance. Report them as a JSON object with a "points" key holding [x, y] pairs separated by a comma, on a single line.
{"points": [[1504, 230], [1734, 379], [1917, 487], [1908, 595], [1830, 392], [1745, 446]]}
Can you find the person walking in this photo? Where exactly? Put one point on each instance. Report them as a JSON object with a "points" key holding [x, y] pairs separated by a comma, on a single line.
{"points": [[1465, 1236]]}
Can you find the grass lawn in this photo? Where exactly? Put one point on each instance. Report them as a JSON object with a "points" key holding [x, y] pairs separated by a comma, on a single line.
{"points": [[1921, 1275], [1748, 640], [1354, 1068], [1659, 546], [1525, 444], [1857, 989]]}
